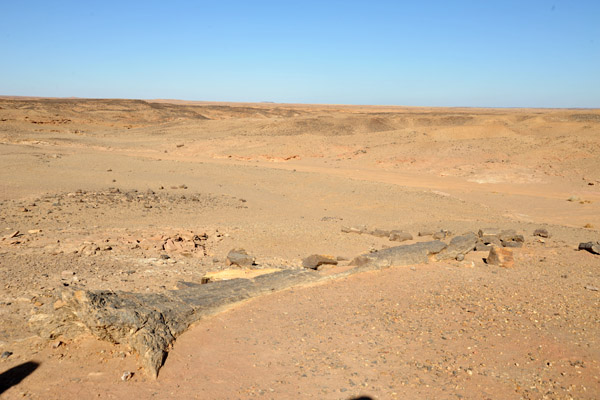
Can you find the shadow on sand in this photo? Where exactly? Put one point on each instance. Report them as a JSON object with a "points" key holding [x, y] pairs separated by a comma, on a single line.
{"points": [[15, 375]]}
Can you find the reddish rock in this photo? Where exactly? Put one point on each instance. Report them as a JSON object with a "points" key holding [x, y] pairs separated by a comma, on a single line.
{"points": [[501, 257]]}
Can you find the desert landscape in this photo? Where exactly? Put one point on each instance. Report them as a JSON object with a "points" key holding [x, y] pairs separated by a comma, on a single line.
{"points": [[196, 250]]}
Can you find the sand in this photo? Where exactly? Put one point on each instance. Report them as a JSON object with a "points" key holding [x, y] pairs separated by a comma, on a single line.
{"points": [[95, 187]]}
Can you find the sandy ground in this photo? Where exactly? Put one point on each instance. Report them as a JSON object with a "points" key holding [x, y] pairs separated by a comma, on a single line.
{"points": [[91, 190]]}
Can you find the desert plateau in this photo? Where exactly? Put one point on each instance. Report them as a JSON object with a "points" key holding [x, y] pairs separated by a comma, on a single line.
{"points": [[194, 250]]}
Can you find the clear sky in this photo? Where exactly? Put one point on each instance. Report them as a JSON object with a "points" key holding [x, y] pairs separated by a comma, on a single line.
{"points": [[504, 53]]}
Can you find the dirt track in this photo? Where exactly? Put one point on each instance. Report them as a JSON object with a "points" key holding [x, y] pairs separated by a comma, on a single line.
{"points": [[95, 187]]}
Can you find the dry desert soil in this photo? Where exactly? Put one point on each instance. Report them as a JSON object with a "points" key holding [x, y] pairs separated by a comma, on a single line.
{"points": [[145, 196]]}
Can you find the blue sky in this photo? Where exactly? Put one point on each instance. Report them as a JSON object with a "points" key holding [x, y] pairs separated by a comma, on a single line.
{"points": [[432, 53]]}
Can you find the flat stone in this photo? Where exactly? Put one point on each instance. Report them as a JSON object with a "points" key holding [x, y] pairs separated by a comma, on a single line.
{"points": [[240, 257], [400, 236], [458, 245], [417, 253], [501, 257], [426, 232], [316, 260]]}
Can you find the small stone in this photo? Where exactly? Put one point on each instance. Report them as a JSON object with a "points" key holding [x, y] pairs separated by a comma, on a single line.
{"points": [[239, 257], [426, 233], [316, 260], [460, 257], [541, 232], [380, 233], [56, 344], [355, 229], [441, 234], [164, 256], [127, 375], [183, 187], [501, 257], [67, 275], [34, 231], [592, 288], [573, 198], [400, 236], [59, 304], [38, 304], [5, 355], [509, 235]]}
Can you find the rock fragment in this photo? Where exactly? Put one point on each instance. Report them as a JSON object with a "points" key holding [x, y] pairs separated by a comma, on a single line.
{"points": [[316, 260], [592, 247], [510, 238], [380, 233], [400, 236], [5, 355], [360, 229], [501, 257], [483, 232], [240, 258], [480, 246], [458, 245], [440, 234], [541, 232], [426, 232]]}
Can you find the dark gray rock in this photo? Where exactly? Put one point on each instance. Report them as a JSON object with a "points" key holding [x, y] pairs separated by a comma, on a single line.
{"points": [[417, 253], [458, 245], [400, 236], [592, 247], [149, 323], [316, 260], [5, 354], [239, 257], [541, 232]]}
